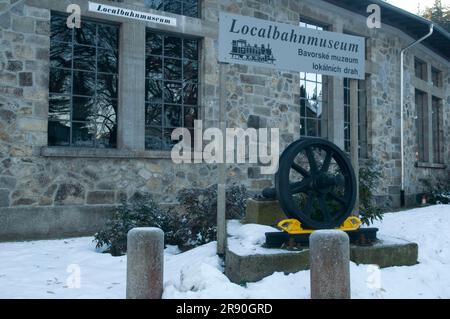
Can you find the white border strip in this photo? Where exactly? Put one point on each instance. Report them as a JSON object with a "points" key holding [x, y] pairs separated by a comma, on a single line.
{"points": [[131, 14]]}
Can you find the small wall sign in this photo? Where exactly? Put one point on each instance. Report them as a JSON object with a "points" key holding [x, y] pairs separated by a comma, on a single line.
{"points": [[131, 14], [251, 41]]}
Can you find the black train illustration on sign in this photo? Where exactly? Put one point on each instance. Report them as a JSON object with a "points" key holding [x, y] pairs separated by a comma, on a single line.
{"points": [[241, 50]]}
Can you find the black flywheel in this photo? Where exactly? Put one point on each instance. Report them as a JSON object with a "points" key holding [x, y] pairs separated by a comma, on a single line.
{"points": [[315, 183]]}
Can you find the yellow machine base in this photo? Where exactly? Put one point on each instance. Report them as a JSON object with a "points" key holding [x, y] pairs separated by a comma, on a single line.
{"points": [[294, 226]]}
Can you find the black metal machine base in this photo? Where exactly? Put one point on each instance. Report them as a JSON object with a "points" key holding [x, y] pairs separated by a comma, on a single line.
{"points": [[361, 237]]}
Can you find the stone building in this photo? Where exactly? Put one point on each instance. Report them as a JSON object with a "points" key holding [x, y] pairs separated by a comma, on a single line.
{"points": [[86, 114]]}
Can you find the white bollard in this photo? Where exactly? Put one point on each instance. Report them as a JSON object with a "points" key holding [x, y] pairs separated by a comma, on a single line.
{"points": [[145, 263], [329, 255]]}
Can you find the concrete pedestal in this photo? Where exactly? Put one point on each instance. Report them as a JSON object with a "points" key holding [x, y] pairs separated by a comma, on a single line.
{"points": [[263, 212], [242, 268]]}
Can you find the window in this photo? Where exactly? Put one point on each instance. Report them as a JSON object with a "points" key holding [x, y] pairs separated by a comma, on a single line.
{"points": [[362, 117], [313, 105], [83, 84], [422, 126], [438, 132], [313, 99], [171, 87], [188, 8], [436, 77], [420, 69]]}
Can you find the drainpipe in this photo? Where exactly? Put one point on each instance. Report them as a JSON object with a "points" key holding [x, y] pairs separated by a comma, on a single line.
{"points": [[402, 146]]}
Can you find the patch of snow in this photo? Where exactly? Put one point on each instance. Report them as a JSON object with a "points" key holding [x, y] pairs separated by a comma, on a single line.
{"points": [[41, 269], [248, 239]]}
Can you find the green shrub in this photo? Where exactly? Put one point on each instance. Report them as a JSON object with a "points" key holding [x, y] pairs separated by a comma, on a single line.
{"points": [[368, 178], [193, 222], [140, 211], [198, 212]]}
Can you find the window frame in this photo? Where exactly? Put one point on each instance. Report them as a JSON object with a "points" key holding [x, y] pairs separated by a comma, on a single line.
{"points": [[71, 96], [437, 129], [321, 123], [163, 127], [422, 126], [423, 69], [362, 117], [438, 83]]}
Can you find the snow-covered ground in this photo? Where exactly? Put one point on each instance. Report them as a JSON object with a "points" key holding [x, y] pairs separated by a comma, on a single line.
{"points": [[50, 269]]}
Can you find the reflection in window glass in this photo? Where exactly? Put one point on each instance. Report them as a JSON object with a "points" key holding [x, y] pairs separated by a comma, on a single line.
{"points": [[422, 126], [171, 87], [188, 8], [438, 130], [420, 69], [313, 99], [83, 84], [362, 117], [436, 77]]}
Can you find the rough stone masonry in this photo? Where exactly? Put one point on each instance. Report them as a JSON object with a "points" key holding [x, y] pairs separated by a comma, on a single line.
{"points": [[47, 192]]}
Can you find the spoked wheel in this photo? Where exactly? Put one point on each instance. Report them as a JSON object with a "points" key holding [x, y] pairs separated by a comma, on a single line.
{"points": [[315, 183]]}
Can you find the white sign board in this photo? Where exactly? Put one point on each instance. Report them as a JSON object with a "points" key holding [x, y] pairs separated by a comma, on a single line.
{"points": [[131, 14], [252, 41]]}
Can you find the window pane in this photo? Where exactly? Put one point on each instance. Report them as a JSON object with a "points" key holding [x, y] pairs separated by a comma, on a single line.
{"points": [[84, 58], [154, 67], [172, 47], [86, 34], [190, 49], [106, 134], [107, 85], [83, 134], [108, 37], [153, 138], [154, 4], [172, 6], [153, 114], [167, 139], [172, 92], [107, 111], [153, 91], [313, 109], [311, 92], [190, 115], [58, 133], [61, 55], [59, 30], [60, 81], [311, 77], [190, 8], [107, 61], [154, 43], [59, 108], [83, 83], [190, 94], [172, 116], [190, 70], [311, 127], [84, 109], [172, 69]]}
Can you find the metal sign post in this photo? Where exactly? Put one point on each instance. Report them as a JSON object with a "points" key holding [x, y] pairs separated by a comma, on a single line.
{"points": [[222, 169]]}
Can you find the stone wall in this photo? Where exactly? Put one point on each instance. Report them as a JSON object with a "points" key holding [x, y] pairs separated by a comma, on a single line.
{"points": [[50, 184]]}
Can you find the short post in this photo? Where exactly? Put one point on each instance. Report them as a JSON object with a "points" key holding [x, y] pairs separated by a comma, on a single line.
{"points": [[330, 264], [145, 261]]}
